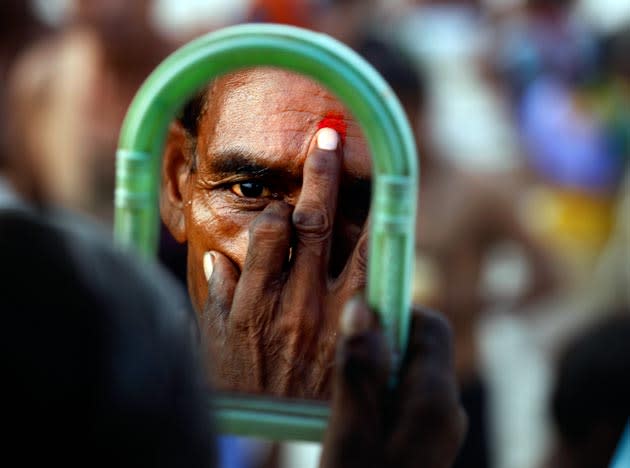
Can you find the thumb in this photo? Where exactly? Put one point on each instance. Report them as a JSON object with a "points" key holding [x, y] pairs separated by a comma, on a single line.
{"points": [[222, 276], [355, 434]]}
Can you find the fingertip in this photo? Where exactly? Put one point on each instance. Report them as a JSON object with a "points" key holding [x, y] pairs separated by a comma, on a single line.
{"points": [[221, 274], [209, 259], [356, 318], [327, 139], [430, 330]]}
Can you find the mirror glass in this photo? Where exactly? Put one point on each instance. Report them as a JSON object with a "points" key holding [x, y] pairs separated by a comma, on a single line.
{"points": [[272, 227]]}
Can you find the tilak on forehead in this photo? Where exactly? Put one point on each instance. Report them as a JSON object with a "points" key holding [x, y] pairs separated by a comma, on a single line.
{"points": [[337, 122]]}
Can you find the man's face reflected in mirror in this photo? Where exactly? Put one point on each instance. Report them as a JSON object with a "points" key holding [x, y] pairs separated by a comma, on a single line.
{"points": [[273, 211]]}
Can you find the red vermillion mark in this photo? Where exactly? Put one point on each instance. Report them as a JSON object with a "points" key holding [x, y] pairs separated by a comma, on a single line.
{"points": [[335, 121]]}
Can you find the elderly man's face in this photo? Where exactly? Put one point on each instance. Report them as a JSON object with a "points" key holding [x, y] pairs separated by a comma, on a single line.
{"points": [[251, 146]]}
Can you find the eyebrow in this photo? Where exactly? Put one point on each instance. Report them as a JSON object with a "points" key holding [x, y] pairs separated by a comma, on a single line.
{"points": [[244, 162], [234, 161]]}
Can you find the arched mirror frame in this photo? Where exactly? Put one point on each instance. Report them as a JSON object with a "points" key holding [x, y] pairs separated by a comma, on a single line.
{"points": [[394, 193]]}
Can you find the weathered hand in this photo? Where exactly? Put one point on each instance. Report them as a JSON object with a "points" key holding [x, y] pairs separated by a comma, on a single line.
{"points": [[272, 327], [417, 423]]}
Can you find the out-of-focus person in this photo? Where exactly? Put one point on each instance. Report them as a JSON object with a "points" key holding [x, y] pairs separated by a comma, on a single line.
{"points": [[467, 114], [590, 405], [464, 222], [98, 353], [69, 94], [567, 109], [543, 37], [19, 27], [575, 134]]}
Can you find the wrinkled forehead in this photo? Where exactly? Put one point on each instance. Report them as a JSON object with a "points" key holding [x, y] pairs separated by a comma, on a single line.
{"points": [[266, 83], [275, 113]]}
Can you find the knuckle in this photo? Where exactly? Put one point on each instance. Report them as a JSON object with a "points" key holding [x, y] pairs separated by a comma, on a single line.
{"points": [[358, 275], [362, 255], [247, 323], [359, 282], [268, 225], [312, 222], [321, 163]]}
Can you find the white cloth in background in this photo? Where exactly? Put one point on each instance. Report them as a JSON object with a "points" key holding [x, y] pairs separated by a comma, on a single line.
{"points": [[519, 377], [300, 454], [469, 121]]}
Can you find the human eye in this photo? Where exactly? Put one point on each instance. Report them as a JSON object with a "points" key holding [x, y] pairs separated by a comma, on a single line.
{"points": [[250, 189]]}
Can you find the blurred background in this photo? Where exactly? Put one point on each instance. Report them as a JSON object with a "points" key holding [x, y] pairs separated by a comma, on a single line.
{"points": [[521, 110]]}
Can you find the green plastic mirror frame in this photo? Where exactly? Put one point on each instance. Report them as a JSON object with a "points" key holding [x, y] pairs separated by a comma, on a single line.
{"points": [[395, 181]]}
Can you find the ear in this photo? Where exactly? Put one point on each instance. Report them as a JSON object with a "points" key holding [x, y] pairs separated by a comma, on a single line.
{"points": [[176, 171]]}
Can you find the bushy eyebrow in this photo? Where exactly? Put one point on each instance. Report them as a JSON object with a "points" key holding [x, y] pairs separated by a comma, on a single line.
{"points": [[232, 162]]}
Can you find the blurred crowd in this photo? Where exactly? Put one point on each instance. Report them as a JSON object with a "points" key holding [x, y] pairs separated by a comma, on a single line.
{"points": [[521, 111]]}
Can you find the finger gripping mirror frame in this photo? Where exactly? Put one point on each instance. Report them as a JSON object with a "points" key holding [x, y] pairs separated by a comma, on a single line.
{"points": [[395, 180]]}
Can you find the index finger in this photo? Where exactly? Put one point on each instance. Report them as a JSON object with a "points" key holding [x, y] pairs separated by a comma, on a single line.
{"points": [[314, 212]]}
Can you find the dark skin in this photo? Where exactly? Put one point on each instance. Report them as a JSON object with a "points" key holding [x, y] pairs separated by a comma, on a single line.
{"points": [[268, 209], [418, 421]]}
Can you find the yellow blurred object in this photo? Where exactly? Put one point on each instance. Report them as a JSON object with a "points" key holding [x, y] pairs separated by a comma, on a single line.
{"points": [[577, 225], [427, 281]]}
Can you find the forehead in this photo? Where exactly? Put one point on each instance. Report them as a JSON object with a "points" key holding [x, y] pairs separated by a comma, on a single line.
{"points": [[274, 114]]}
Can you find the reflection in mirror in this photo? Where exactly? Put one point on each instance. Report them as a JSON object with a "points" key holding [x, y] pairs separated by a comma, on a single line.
{"points": [[272, 205]]}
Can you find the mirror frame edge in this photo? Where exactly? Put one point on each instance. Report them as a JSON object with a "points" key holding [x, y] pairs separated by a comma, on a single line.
{"points": [[395, 180]]}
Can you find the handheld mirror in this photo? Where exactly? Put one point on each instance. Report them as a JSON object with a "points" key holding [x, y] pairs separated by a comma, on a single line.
{"points": [[394, 181]]}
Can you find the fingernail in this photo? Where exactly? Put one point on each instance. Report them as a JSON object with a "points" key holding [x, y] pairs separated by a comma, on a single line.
{"points": [[208, 264], [355, 318], [327, 139]]}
